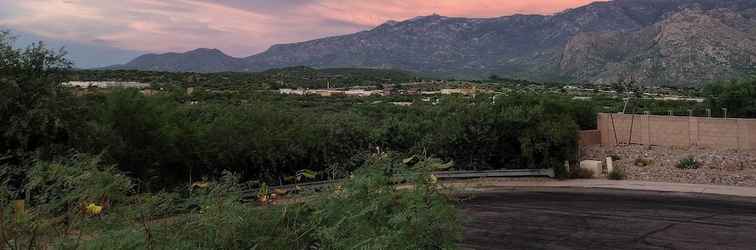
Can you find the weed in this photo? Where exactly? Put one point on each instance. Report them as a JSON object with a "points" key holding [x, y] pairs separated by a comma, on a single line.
{"points": [[581, 173], [640, 162], [617, 174], [615, 157], [688, 163]]}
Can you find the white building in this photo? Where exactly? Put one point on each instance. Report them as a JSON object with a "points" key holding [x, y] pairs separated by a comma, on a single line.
{"points": [[360, 92], [106, 84], [292, 91]]}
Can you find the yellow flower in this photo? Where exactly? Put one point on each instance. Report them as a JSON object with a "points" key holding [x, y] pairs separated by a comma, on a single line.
{"points": [[94, 209]]}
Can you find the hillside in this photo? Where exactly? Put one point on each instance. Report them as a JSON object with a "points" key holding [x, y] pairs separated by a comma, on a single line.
{"points": [[653, 42], [199, 60], [291, 77]]}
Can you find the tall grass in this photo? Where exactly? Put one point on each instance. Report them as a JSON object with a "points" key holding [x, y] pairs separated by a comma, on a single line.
{"points": [[376, 208]]}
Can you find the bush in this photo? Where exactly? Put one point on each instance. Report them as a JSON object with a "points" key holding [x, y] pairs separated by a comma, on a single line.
{"points": [[63, 186], [372, 213], [640, 162], [368, 211], [23, 232], [617, 174], [688, 163], [615, 157], [581, 173]]}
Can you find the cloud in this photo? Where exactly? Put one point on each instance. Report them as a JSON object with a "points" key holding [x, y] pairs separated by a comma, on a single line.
{"points": [[238, 27]]}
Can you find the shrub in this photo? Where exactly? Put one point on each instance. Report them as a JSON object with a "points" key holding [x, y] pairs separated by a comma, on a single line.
{"points": [[640, 162], [617, 174], [372, 213], [581, 173], [23, 232], [368, 211], [67, 185], [688, 163]]}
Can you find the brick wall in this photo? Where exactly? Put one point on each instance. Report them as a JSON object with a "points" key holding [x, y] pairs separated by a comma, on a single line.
{"points": [[677, 131]]}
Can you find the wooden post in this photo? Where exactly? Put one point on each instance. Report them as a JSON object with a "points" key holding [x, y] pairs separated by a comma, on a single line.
{"points": [[20, 209]]}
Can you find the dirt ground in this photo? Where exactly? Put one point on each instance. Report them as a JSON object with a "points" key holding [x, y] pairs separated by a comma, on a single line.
{"points": [[717, 166]]}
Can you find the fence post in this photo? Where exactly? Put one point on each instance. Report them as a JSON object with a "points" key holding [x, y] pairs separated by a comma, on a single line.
{"points": [[648, 127], [698, 131], [690, 119], [20, 209], [609, 165], [737, 131]]}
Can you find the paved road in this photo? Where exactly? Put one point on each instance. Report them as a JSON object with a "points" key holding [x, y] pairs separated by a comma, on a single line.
{"points": [[574, 218]]}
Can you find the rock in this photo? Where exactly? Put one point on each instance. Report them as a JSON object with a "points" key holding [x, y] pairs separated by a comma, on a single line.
{"points": [[595, 166], [718, 167]]}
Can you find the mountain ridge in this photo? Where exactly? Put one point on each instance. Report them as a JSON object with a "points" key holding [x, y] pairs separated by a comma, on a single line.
{"points": [[663, 42]]}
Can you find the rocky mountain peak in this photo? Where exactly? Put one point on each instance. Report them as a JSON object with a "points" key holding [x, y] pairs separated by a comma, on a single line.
{"points": [[661, 42]]}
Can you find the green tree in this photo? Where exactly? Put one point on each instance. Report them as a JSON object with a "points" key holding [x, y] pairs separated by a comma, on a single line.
{"points": [[739, 97], [39, 117]]}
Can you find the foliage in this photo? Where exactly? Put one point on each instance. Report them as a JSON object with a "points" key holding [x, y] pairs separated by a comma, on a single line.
{"points": [[617, 174], [38, 115], [688, 163], [739, 97], [68, 185], [59, 191], [163, 142], [581, 173], [292, 77], [23, 232], [370, 211]]}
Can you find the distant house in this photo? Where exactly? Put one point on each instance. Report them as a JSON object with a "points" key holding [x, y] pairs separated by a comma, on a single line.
{"points": [[360, 92], [106, 84], [403, 104], [329, 93], [292, 91], [679, 98], [464, 91], [148, 92], [582, 98]]}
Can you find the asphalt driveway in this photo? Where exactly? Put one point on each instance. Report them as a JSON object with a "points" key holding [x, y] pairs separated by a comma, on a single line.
{"points": [[577, 218]]}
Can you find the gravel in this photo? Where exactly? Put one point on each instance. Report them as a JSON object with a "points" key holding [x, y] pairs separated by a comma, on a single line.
{"points": [[717, 166]]}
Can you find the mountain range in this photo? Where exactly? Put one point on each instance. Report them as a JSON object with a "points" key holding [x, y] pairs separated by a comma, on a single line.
{"points": [[650, 42]]}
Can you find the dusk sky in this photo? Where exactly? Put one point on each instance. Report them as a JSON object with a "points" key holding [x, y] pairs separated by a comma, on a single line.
{"points": [[94, 29]]}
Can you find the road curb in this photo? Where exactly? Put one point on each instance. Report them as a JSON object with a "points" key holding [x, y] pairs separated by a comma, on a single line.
{"points": [[748, 192]]}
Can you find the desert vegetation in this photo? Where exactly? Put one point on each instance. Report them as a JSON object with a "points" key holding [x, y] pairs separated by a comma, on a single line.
{"points": [[120, 169], [123, 170]]}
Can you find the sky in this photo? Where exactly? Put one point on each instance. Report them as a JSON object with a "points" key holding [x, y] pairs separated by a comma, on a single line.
{"points": [[104, 32]]}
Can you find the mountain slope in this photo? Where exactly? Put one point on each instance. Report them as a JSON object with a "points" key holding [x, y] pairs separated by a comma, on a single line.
{"points": [[653, 42], [199, 60]]}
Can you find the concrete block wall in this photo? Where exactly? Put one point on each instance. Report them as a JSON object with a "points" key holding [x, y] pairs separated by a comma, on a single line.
{"points": [[677, 131], [589, 137]]}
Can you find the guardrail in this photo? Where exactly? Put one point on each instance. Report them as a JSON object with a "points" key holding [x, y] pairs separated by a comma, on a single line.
{"points": [[495, 173], [317, 185]]}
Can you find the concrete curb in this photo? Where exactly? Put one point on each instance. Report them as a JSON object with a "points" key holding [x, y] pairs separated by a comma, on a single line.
{"points": [[627, 185]]}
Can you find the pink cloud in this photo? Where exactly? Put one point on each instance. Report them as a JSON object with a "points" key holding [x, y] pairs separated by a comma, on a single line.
{"points": [[239, 27], [376, 12]]}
